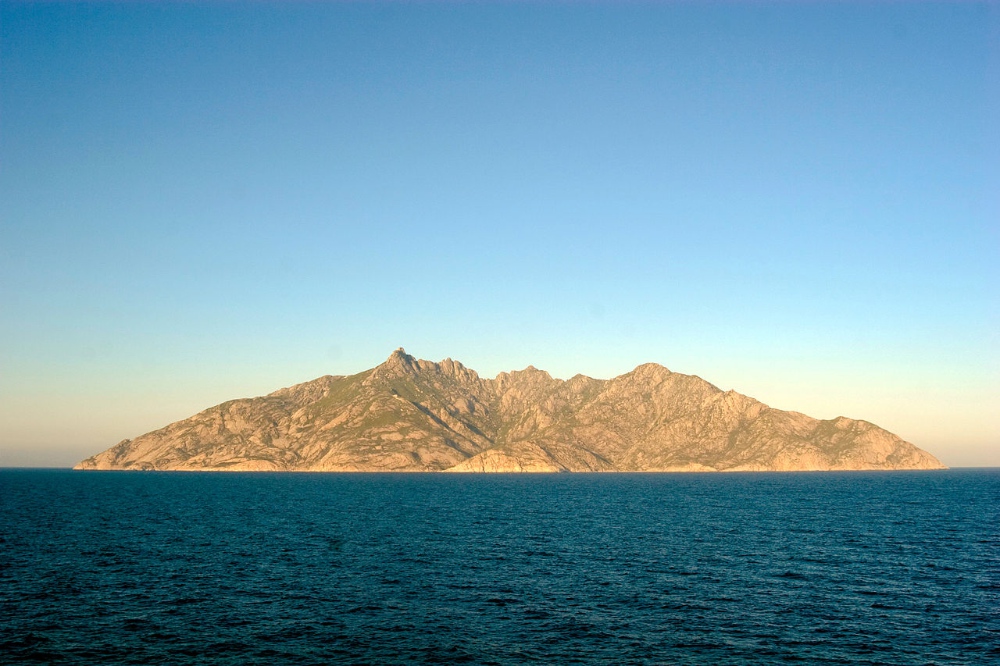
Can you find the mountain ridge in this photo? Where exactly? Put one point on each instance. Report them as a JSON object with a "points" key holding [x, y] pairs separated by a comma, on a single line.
{"points": [[411, 415]]}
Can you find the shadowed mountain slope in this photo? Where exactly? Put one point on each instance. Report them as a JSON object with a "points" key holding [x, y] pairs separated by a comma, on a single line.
{"points": [[410, 415]]}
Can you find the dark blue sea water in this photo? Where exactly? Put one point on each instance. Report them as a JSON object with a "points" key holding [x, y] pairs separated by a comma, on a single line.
{"points": [[838, 568]]}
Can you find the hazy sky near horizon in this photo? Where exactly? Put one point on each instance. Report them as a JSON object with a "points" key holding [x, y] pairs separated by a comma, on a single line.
{"points": [[203, 201]]}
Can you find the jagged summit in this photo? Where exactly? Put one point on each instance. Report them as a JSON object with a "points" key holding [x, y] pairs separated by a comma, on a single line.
{"points": [[399, 361], [400, 358], [409, 414]]}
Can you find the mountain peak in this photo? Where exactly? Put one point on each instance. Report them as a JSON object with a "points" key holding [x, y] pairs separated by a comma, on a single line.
{"points": [[652, 368], [399, 362]]}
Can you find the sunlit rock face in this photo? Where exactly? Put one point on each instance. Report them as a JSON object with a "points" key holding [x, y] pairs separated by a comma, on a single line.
{"points": [[410, 415]]}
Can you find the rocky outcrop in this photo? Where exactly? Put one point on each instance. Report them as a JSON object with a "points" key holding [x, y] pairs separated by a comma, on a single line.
{"points": [[412, 415]]}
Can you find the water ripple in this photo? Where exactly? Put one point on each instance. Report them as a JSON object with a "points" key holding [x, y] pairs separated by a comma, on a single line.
{"points": [[626, 569]]}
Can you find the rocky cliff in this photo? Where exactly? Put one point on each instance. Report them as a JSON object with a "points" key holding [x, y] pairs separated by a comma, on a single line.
{"points": [[410, 415]]}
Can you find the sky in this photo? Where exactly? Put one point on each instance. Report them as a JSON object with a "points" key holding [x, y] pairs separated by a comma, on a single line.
{"points": [[206, 201]]}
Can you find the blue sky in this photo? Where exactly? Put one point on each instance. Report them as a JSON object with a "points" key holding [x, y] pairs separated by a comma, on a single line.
{"points": [[207, 201]]}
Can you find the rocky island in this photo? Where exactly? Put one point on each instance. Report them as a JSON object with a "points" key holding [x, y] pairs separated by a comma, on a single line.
{"points": [[410, 415]]}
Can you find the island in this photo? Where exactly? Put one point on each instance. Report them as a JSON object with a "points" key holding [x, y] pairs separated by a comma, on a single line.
{"points": [[412, 415]]}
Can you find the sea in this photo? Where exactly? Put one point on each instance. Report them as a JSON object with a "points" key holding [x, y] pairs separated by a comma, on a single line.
{"points": [[267, 568]]}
